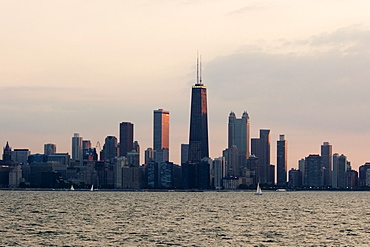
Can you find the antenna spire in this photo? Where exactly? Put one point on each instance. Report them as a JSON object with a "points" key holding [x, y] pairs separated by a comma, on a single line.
{"points": [[200, 70], [197, 67]]}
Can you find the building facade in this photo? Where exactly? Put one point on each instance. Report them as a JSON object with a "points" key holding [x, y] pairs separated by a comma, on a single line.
{"points": [[282, 161], [126, 138], [327, 163], [239, 136]]}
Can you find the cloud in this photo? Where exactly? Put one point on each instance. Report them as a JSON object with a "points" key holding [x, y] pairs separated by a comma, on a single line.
{"points": [[250, 9], [315, 88]]}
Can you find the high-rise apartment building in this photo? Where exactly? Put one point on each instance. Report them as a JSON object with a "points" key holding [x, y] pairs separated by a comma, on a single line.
{"points": [[327, 163], [281, 161], [77, 153], [198, 138], [313, 171], [49, 149], [126, 138], [239, 136], [340, 167], [161, 135]]}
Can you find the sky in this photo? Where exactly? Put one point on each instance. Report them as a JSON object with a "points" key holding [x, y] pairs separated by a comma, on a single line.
{"points": [[299, 68]]}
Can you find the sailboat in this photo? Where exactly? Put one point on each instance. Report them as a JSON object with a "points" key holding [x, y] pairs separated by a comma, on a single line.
{"points": [[92, 188], [72, 188], [258, 191]]}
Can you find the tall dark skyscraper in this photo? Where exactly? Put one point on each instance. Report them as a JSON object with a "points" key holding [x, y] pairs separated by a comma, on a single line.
{"points": [[198, 137], [126, 138], [327, 163], [313, 171], [261, 149], [110, 148], [281, 162]]}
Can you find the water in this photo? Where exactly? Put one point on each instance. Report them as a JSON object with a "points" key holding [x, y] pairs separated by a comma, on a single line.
{"points": [[83, 218]]}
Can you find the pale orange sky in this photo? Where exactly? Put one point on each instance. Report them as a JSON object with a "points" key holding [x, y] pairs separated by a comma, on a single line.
{"points": [[298, 67]]}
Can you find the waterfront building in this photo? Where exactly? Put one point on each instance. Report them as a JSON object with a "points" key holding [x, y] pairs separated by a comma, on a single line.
{"points": [[239, 136], [327, 163], [301, 167], [313, 171], [363, 171], [218, 172], [340, 167], [77, 149], [133, 177], [198, 136], [126, 138], [281, 162], [261, 149], [295, 178]]}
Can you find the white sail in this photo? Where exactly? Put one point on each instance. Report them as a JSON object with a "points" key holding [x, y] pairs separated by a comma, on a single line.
{"points": [[258, 191], [72, 188], [92, 188]]}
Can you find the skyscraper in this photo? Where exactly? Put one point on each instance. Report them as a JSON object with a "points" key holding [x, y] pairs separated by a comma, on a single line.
{"points": [[198, 137], [77, 147], [327, 163], [110, 148], [50, 148], [161, 137], [263, 170], [281, 162], [239, 136], [340, 167], [313, 171], [126, 138], [7, 153]]}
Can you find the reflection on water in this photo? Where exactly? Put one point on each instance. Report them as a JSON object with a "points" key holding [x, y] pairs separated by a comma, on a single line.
{"points": [[76, 218]]}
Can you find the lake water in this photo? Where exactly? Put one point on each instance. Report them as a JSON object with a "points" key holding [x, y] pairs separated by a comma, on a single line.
{"points": [[83, 218]]}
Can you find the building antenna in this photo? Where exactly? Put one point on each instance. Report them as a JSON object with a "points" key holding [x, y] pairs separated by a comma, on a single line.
{"points": [[200, 70], [197, 67]]}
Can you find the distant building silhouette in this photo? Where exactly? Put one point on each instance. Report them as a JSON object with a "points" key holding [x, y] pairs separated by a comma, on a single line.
{"points": [[198, 137], [50, 148], [327, 163], [281, 161], [261, 149], [20, 156], [239, 136], [126, 138], [77, 149], [161, 139], [364, 175], [340, 167], [313, 171], [110, 149], [7, 153]]}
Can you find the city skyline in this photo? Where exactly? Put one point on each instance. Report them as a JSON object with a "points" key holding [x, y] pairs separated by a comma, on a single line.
{"points": [[84, 69]]}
